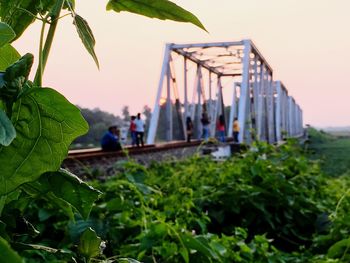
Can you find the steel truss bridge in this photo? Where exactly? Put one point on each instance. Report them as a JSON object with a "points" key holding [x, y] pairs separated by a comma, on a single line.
{"points": [[234, 71]]}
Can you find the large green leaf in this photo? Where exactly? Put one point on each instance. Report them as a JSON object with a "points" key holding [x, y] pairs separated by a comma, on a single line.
{"points": [[7, 254], [6, 34], [36, 190], [46, 123], [86, 36], [337, 249], [71, 189], [7, 131], [89, 245], [199, 244], [19, 14], [161, 9], [8, 56]]}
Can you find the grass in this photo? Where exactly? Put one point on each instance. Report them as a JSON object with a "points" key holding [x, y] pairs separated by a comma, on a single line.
{"points": [[333, 151]]}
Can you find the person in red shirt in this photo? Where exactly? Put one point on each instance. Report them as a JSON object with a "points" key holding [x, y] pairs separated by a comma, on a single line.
{"points": [[220, 126], [132, 130]]}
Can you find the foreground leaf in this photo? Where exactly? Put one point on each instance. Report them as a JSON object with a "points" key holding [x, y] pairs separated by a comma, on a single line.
{"points": [[337, 249], [46, 123], [7, 131], [36, 190], [19, 13], [90, 243], [6, 34], [199, 244], [161, 9], [7, 254], [71, 189], [8, 56], [86, 36]]}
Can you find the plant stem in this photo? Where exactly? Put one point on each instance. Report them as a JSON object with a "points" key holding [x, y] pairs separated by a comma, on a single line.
{"points": [[55, 14], [39, 72]]}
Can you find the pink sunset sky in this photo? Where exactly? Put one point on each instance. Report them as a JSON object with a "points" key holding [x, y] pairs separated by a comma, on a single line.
{"points": [[306, 43]]}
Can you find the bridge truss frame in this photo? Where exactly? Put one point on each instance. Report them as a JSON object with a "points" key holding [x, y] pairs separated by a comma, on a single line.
{"points": [[264, 109]]}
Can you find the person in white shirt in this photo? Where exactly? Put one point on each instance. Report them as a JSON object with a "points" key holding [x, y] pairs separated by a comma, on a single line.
{"points": [[140, 130]]}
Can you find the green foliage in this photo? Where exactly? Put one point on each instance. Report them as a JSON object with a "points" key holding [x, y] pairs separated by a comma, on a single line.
{"points": [[46, 123], [86, 36], [20, 14], [8, 56], [137, 225], [333, 152], [6, 34], [7, 131], [161, 9], [267, 191], [7, 254], [89, 245], [68, 188], [339, 249], [317, 136], [197, 210], [35, 218], [335, 237]]}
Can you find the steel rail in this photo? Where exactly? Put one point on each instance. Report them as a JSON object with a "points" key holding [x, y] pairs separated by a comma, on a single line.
{"points": [[97, 152]]}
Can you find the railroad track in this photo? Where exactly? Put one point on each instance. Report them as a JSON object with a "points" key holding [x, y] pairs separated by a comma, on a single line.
{"points": [[85, 161], [97, 152]]}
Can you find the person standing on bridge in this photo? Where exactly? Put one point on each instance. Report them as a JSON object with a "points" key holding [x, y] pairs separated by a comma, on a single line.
{"points": [[205, 124], [221, 128], [140, 130], [189, 128], [132, 129], [235, 130]]}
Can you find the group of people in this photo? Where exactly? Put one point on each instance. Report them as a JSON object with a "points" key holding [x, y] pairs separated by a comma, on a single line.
{"points": [[111, 139], [220, 127], [137, 130]]}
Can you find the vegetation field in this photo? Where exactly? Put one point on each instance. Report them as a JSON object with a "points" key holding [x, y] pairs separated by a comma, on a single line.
{"points": [[333, 152], [265, 205]]}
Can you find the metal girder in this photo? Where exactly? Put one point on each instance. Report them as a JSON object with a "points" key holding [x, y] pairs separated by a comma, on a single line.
{"points": [[169, 108], [155, 115], [207, 45], [233, 111], [278, 111], [196, 60], [244, 94]]}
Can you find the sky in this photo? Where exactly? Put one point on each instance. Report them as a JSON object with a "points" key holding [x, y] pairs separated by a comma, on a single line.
{"points": [[305, 42]]}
